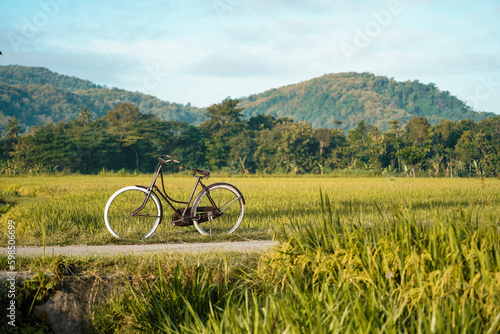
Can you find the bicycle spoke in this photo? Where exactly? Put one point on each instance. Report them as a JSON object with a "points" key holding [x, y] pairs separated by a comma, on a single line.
{"points": [[227, 214], [152, 216], [224, 207], [130, 214]]}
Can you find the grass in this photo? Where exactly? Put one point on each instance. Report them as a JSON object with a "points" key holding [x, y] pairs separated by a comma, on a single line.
{"points": [[368, 255], [335, 276], [145, 263], [69, 210], [124, 270]]}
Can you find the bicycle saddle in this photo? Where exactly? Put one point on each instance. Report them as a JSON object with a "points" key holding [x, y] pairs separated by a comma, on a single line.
{"points": [[202, 172]]}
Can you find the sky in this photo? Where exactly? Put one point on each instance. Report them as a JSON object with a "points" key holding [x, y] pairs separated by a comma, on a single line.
{"points": [[202, 51]]}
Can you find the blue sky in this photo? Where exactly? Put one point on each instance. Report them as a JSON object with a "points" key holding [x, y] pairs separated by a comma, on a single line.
{"points": [[203, 51]]}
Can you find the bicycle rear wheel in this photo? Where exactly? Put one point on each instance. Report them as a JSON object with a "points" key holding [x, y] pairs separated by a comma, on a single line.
{"points": [[218, 209], [124, 216]]}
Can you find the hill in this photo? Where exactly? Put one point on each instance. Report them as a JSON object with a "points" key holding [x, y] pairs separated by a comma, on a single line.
{"points": [[37, 96], [352, 97]]}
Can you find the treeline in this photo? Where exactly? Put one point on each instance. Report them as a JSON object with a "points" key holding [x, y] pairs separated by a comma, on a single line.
{"points": [[127, 139]]}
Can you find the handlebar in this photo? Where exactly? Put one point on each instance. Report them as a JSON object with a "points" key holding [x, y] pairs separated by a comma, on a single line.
{"points": [[165, 159]]}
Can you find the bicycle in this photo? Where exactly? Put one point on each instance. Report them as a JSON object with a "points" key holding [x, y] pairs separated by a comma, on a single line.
{"points": [[216, 210]]}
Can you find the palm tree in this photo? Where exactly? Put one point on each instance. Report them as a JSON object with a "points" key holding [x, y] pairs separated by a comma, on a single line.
{"points": [[435, 163], [85, 116]]}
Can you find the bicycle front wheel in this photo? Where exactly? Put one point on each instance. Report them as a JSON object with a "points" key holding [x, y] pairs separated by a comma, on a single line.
{"points": [[218, 209], [130, 214]]}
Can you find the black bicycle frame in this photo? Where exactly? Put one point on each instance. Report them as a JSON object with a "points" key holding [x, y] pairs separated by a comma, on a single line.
{"points": [[163, 193]]}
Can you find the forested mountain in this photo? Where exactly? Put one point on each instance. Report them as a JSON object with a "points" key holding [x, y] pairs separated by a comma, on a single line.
{"points": [[353, 97], [37, 96]]}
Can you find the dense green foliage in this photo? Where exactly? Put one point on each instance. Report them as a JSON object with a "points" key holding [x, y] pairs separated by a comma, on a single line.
{"points": [[127, 139], [37, 96], [354, 97]]}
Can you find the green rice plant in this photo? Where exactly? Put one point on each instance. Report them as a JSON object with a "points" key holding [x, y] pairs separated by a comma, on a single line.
{"points": [[395, 273], [71, 207], [164, 304]]}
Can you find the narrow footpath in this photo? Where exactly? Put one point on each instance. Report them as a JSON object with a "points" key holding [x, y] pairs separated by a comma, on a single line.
{"points": [[239, 246]]}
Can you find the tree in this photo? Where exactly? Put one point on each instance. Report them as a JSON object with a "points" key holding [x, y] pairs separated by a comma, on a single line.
{"points": [[261, 122], [417, 131], [413, 156], [435, 163], [338, 124], [445, 136], [125, 122], [265, 155], [223, 124], [296, 147], [85, 116], [359, 142], [219, 115], [376, 149], [392, 142], [186, 142], [242, 147], [216, 152], [45, 146], [324, 137], [13, 127], [90, 148], [11, 138], [124, 113], [488, 141]]}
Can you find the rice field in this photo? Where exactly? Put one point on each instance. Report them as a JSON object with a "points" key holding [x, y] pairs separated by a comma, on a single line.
{"points": [[68, 210], [356, 255], [334, 276]]}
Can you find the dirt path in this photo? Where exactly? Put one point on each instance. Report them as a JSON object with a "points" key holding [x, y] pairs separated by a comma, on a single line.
{"points": [[240, 246]]}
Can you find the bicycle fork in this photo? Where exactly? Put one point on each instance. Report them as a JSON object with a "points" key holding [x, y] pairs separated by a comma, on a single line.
{"points": [[146, 198]]}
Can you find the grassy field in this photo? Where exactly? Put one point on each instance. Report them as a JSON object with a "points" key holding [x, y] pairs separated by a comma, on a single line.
{"points": [[374, 255], [69, 210]]}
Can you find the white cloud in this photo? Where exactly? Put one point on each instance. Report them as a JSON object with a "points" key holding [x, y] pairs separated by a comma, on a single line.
{"points": [[200, 53]]}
